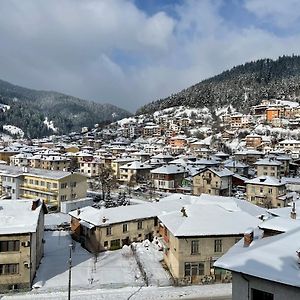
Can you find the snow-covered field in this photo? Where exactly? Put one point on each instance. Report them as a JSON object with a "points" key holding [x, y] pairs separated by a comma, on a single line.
{"points": [[143, 293], [111, 269]]}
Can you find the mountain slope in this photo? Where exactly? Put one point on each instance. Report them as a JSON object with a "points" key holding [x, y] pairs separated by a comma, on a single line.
{"points": [[29, 109], [241, 87]]}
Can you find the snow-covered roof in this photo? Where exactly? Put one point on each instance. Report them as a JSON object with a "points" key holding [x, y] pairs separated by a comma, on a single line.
{"points": [[280, 224], [272, 258], [267, 162], [200, 221], [136, 165], [17, 216], [18, 171], [289, 142], [265, 180], [168, 169]]}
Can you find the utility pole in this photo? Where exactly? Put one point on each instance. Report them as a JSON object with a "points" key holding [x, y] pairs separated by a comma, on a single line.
{"points": [[70, 267]]}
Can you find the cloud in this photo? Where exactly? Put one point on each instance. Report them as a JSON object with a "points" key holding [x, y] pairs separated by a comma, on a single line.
{"points": [[283, 14], [112, 51]]}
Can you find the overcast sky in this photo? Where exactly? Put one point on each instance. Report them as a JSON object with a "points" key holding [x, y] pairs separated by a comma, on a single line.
{"points": [[129, 53]]}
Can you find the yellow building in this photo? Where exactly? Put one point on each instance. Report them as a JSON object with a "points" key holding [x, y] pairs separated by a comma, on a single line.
{"points": [[52, 187]]}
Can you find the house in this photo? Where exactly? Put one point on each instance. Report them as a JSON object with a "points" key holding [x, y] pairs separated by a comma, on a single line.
{"points": [[178, 141], [111, 228], [237, 167], [290, 146], [213, 181], [168, 177], [21, 242], [249, 156], [136, 172], [253, 140], [267, 191], [268, 167], [193, 241], [50, 186], [265, 268]]}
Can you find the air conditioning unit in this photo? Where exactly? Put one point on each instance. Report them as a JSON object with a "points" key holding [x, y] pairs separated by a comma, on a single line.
{"points": [[25, 244]]}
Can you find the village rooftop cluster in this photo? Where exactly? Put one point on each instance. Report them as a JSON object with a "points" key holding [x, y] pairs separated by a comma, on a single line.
{"points": [[214, 195]]}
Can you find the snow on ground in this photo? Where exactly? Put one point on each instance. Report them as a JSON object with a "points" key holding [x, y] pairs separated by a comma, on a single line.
{"points": [[50, 125], [143, 293], [14, 130], [111, 269], [150, 257]]}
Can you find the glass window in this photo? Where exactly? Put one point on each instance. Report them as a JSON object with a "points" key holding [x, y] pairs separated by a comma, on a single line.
{"points": [[108, 230], [140, 225], [6, 246], [8, 269], [261, 295], [218, 246], [193, 269], [194, 247], [125, 227]]}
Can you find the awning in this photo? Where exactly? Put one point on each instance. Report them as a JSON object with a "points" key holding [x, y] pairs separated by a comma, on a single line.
{"points": [[86, 224]]}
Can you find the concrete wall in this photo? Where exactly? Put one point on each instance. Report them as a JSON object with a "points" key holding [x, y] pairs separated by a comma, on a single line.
{"points": [[241, 289]]}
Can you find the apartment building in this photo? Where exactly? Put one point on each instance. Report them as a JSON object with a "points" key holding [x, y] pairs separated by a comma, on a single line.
{"points": [[21, 242], [50, 186], [91, 168]]}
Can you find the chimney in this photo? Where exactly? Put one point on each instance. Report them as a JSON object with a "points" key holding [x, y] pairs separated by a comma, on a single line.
{"points": [[248, 237], [183, 212], [35, 204], [293, 212], [78, 211], [104, 219]]}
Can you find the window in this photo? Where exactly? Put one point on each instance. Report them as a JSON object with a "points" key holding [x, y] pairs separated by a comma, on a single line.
{"points": [[115, 244], [63, 185], [194, 247], [193, 269], [218, 246], [73, 184], [54, 185], [270, 190], [125, 227], [36, 182], [261, 189], [8, 269], [63, 198], [261, 295], [140, 225], [108, 230], [105, 243], [6, 246], [73, 196]]}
